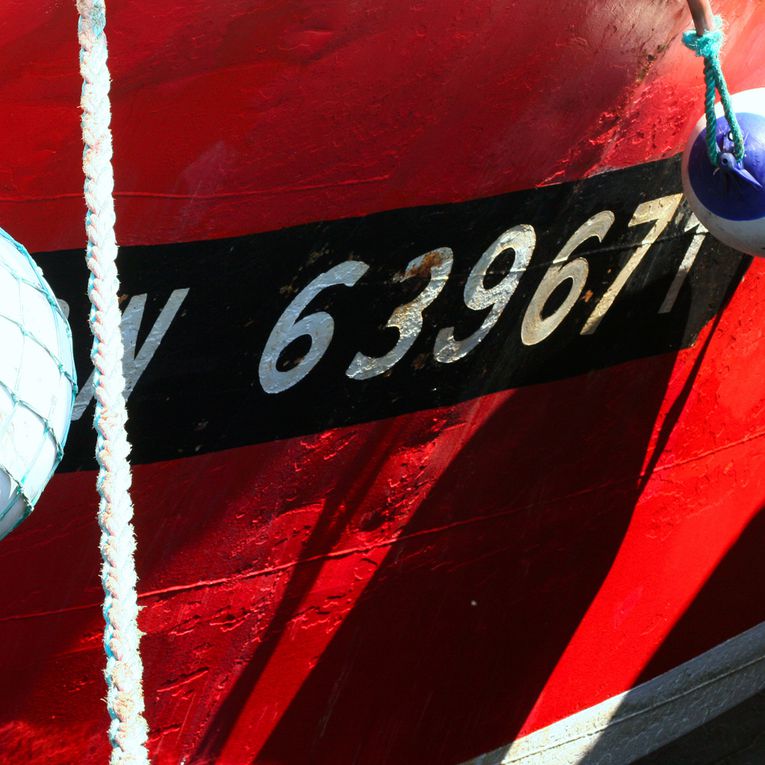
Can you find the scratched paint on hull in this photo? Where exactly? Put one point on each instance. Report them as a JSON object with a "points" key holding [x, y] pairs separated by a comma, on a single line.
{"points": [[345, 572], [270, 115]]}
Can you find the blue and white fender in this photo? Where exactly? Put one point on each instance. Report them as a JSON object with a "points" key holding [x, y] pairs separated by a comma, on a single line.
{"points": [[729, 200]]}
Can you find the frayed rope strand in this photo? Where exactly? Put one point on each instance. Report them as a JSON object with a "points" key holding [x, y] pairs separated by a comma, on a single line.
{"points": [[128, 731], [708, 46]]}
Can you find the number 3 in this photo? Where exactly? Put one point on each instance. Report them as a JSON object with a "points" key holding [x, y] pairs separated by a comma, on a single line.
{"points": [[407, 319]]}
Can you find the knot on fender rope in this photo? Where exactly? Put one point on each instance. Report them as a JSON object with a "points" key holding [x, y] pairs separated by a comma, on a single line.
{"points": [[708, 46]]}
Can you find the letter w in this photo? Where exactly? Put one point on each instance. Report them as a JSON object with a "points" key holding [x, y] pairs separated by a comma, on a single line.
{"points": [[134, 364]]}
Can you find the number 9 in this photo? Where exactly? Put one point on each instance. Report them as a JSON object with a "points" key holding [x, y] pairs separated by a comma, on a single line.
{"points": [[521, 239]]}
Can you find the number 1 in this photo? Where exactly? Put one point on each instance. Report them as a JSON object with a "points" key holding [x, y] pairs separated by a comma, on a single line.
{"points": [[661, 212], [685, 266]]}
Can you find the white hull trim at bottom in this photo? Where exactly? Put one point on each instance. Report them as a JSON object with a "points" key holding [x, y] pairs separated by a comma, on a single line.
{"points": [[633, 724]]}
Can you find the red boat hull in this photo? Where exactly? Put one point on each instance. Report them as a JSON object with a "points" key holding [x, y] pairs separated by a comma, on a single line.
{"points": [[427, 564]]}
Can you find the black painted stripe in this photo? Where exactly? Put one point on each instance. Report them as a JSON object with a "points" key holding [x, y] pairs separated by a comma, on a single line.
{"points": [[201, 390]]}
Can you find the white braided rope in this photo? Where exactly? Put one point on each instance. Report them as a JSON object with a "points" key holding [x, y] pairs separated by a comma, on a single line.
{"points": [[128, 730]]}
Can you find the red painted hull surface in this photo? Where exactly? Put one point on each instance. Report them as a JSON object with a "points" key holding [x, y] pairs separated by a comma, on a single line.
{"points": [[429, 586]]}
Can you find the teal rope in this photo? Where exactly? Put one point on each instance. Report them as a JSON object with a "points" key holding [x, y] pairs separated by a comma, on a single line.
{"points": [[708, 46]]}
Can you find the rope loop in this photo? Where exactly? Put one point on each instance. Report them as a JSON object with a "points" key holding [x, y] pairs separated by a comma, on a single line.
{"points": [[708, 46]]}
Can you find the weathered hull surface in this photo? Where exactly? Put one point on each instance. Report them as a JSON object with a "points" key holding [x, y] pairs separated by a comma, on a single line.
{"points": [[509, 468]]}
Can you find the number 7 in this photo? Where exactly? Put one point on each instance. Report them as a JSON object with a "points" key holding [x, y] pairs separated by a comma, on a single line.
{"points": [[661, 212]]}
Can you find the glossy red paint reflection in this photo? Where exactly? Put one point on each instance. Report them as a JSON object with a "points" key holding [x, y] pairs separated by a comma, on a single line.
{"points": [[243, 116]]}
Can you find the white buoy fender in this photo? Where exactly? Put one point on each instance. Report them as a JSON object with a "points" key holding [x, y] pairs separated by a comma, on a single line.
{"points": [[730, 202], [37, 383]]}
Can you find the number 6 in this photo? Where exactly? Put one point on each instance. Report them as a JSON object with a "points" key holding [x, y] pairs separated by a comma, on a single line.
{"points": [[319, 327], [535, 327]]}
